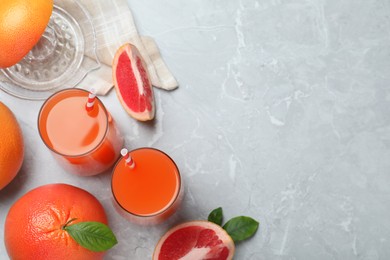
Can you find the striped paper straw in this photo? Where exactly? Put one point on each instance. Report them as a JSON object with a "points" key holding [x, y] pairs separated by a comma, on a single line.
{"points": [[126, 155], [91, 99]]}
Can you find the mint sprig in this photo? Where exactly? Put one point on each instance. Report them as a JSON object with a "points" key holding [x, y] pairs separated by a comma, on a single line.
{"points": [[216, 216], [238, 228], [91, 235]]}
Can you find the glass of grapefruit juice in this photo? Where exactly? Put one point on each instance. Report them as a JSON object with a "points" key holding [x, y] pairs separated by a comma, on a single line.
{"points": [[146, 186], [83, 138]]}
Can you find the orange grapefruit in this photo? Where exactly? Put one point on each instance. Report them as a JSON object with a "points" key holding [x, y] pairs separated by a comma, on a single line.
{"points": [[34, 225], [22, 23], [132, 83], [11, 146], [195, 240]]}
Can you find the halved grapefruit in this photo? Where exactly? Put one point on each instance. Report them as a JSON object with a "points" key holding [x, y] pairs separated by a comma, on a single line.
{"points": [[132, 83], [195, 240]]}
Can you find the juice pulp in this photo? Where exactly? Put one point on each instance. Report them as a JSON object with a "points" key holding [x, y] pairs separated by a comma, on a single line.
{"points": [[151, 187], [68, 128]]}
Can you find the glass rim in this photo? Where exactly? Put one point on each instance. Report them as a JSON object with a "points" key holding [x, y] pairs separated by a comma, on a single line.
{"points": [[169, 206], [73, 155]]}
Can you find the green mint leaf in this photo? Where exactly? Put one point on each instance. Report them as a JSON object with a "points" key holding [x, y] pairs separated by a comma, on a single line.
{"points": [[216, 216], [94, 236], [241, 228]]}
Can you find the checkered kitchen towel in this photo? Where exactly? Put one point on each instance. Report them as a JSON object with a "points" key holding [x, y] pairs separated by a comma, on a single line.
{"points": [[114, 26]]}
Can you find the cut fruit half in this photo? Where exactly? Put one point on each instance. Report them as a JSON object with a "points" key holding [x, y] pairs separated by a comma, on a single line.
{"points": [[195, 240], [132, 83]]}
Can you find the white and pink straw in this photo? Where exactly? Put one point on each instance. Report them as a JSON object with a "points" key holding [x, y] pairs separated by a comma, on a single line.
{"points": [[126, 155], [91, 99]]}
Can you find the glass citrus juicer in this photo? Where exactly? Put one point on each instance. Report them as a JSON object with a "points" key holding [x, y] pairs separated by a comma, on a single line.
{"points": [[64, 55]]}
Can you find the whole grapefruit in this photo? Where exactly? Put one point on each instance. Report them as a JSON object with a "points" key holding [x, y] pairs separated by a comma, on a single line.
{"points": [[34, 224], [22, 23], [195, 240], [11, 146]]}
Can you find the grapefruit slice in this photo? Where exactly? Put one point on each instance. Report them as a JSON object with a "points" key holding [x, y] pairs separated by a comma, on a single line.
{"points": [[195, 240], [132, 83]]}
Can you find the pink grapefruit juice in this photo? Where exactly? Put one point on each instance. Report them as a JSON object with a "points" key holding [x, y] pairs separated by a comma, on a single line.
{"points": [[151, 191], [83, 142]]}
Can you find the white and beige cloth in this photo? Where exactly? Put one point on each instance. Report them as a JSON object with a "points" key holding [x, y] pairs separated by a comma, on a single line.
{"points": [[114, 26]]}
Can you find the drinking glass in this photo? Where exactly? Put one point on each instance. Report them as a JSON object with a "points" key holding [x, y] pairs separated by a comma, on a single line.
{"points": [[146, 186], [84, 141]]}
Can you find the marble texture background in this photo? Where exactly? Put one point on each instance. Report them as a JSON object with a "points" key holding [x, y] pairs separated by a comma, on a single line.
{"points": [[283, 114]]}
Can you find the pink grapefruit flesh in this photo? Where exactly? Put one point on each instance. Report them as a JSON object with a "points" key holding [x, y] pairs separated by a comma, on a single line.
{"points": [[195, 240], [132, 83]]}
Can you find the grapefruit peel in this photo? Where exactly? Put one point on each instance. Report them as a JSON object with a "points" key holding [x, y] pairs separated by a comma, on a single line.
{"points": [[205, 239]]}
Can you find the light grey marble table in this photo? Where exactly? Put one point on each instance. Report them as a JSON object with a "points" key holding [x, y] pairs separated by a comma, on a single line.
{"points": [[283, 114]]}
